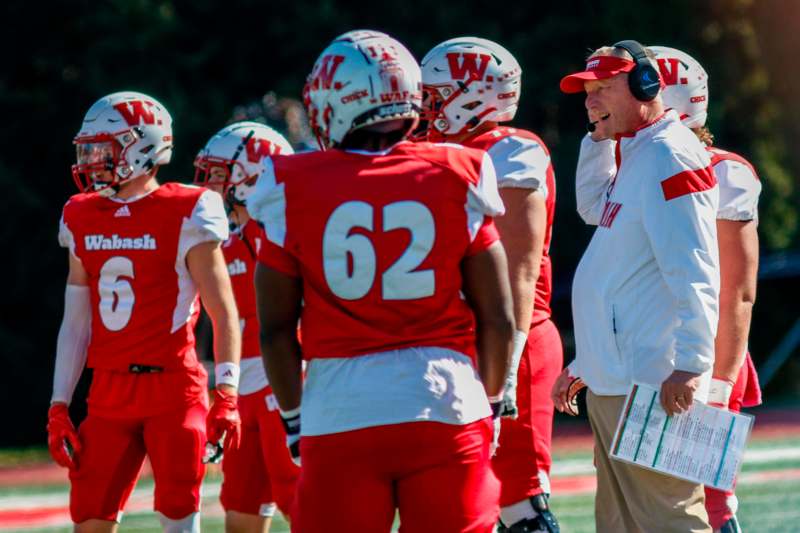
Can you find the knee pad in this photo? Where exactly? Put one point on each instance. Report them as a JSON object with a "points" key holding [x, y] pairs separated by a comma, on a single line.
{"points": [[187, 524]]}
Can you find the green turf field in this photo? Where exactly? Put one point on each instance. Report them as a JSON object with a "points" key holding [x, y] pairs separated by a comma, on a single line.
{"points": [[766, 505]]}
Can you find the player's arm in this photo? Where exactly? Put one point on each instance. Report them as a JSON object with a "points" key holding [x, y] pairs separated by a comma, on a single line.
{"points": [[73, 339], [279, 299], [487, 289], [737, 221], [73, 336], [207, 268], [738, 257], [522, 229], [522, 167]]}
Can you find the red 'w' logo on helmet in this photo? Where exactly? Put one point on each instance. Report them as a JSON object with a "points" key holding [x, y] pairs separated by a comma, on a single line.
{"points": [[669, 71], [468, 68], [259, 148], [323, 78], [136, 112]]}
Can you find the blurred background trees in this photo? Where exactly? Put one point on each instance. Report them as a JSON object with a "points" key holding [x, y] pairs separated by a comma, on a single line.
{"points": [[210, 62]]}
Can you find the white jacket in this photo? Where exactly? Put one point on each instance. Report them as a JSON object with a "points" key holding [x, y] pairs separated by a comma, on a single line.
{"points": [[645, 293]]}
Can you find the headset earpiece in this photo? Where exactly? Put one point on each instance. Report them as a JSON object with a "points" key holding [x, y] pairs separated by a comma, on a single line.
{"points": [[643, 80]]}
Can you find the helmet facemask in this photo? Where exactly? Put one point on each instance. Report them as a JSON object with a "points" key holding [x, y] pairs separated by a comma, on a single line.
{"points": [[100, 164], [443, 105], [233, 159], [226, 177]]}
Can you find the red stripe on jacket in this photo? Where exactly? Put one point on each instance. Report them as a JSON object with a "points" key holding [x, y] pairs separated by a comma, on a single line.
{"points": [[688, 182]]}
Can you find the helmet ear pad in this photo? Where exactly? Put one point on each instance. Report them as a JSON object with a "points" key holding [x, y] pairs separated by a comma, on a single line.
{"points": [[643, 82]]}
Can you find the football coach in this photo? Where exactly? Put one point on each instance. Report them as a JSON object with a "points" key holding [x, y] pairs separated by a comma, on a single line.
{"points": [[645, 293]]}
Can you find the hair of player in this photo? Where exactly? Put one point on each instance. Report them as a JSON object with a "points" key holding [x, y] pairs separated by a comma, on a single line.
{"points": [[705, 135]]}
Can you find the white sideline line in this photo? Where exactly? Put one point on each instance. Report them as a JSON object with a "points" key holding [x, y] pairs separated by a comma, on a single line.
{"points": [[140, 497], [580, 467]]}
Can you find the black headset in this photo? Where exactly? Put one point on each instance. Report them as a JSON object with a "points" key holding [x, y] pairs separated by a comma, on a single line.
{"points": [[643, 80]]}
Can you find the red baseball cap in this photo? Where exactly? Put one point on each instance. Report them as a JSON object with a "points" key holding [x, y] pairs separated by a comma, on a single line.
{"points": [[597, 68]]}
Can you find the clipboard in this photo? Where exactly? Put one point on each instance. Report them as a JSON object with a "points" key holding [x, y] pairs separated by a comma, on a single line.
{"points": [[704, 445]]}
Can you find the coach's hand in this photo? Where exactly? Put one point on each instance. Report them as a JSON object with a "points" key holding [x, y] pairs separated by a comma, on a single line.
{"points": [[565, 392], [677, 391], [62, 439], [223, 418]]}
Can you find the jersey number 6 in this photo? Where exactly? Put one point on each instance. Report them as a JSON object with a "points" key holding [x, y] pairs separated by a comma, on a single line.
{"points": [[349, 259], [116, 293]]}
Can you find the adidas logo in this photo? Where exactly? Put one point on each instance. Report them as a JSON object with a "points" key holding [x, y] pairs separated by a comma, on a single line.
{"points": [[227, 374], [237, 266], [123, 211]]}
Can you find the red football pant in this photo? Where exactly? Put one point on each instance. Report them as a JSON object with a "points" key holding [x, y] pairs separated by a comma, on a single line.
{"points": [[112, 456], [261, 470], [437, 475], [746, 393], [524, 452]]}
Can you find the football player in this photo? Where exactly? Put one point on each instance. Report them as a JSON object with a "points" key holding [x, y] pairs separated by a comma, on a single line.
{"points": [[734, 383], [139, 254], [470, 87], [406, 311], [260, 473]]}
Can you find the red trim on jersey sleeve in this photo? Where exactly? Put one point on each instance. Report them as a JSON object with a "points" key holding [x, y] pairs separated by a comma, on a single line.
{"points": [[718, 155], [486, 236], [277, 258], [688, 182]]}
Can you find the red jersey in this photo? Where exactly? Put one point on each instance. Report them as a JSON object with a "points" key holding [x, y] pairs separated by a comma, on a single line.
{"points": [[378, 239], [241, 250], [144, 302], [521, 160]]}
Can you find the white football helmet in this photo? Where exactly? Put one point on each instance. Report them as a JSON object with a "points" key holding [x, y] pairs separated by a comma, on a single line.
{"points": [[123, 136], [467, 81], [233, 158], [363, 77], [685, 85]]}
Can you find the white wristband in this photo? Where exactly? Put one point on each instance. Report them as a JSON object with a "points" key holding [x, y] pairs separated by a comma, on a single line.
{"points": [[520, 340], [720, 392], [226, 374], [291, 413]]}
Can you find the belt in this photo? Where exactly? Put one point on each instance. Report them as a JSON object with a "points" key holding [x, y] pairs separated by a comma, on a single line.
{"points": [[144, 369]]}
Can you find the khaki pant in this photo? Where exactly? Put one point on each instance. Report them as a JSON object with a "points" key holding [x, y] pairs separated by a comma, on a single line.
{"points": [[633, 499]]}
